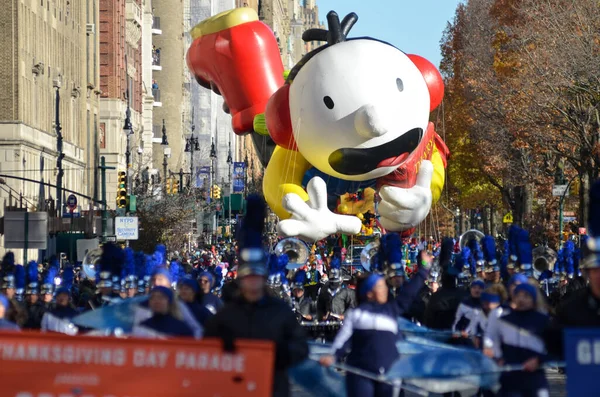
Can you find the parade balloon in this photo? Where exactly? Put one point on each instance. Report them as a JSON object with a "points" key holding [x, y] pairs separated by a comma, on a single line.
{"points": [[352, 115]]}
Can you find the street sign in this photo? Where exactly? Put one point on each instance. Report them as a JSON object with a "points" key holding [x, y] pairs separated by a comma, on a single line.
{"points": [[72, 202], [560, 190], [111, 239], [582, 356], [508, 218], [126, 227], [71, 215], [34, 236]]}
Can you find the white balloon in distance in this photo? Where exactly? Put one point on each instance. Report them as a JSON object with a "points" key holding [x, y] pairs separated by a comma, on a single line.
{"points": [[312, 220]]}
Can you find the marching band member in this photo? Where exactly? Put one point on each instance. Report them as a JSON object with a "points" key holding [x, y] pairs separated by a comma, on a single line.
{"points": [[253, 314], [468, 308], [4, 323], [189, 292], [517, 340], [165, 319], [302, 304], [35, 307], [58, 319]]}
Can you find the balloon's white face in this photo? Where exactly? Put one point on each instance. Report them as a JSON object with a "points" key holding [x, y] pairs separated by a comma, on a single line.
{"points": [[358, 109]]}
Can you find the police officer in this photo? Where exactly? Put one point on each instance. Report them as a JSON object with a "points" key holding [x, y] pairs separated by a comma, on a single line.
{"points": [[254, 314]]}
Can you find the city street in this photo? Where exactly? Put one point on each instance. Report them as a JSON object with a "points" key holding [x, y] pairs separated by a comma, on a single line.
{"points": [[557, 386]]}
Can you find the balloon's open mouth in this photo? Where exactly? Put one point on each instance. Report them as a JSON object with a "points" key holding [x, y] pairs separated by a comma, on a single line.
{"points": [[360, 161]]}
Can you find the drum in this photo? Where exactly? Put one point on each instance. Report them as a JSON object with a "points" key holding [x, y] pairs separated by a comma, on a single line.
{"points": [[322, 331]]}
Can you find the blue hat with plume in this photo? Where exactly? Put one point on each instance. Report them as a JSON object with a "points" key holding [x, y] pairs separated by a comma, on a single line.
{"points": [[299, 279], [477, 260], [592, 243], [160, 255], [525, 252], [20, 281], [111, 263], [513, 233], [335, 266], [390, 255], [176, 272], [253, 260], [276, 269], [218, 272], [66, 284], [569, 252], [446, 251], [504, 259], [128, 272], [7, 271], [488, 246], [33, 282], [50, 277]]}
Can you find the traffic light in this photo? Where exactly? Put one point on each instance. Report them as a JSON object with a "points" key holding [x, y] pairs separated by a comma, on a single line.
{"points": [[122, 190], [212, 192], [169, 186], [217, 192], [175, 187]]}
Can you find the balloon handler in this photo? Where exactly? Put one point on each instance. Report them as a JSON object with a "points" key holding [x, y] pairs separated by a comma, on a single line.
{"points": [[353, 113]]}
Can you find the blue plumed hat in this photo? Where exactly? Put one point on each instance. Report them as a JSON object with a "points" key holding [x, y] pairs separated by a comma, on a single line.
{"points": [[141, 271], [513, 233], [299, 279], [176, 272], [128, 272], [20, 281], [49, 282], [525, 252], [335, 265], [477, 260], [592, 244], [390, 255], [253, 260], [446, 253], [66, 283], [33, 283], [7, 271], [111, 263], [488, 246], [569, 253]]}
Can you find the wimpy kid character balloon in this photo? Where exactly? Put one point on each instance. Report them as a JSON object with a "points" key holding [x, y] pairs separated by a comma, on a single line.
{"points": [[353, 113]]}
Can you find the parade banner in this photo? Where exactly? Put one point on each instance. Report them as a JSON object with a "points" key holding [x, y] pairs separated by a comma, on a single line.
{"points": [[582, 355], [239, 177], [201, 175], [52, 365]]}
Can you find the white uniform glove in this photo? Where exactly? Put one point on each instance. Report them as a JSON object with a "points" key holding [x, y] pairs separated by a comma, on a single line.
{"points": [[312, 220], [402, 209]]}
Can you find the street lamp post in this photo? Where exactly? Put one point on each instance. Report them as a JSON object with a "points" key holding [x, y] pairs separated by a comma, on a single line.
{"points": [[213, 157], [166, 154], [191, 146], [128, 128], [57, 83], [229, 164]]}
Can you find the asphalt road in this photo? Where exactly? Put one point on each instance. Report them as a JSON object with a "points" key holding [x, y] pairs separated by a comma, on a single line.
{"points": [[557, 386]]}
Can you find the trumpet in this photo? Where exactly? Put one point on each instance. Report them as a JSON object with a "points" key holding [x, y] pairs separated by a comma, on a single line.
{"points": [[296, 250]]}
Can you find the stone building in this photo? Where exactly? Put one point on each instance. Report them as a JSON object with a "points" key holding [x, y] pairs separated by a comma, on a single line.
{"points": [[172, 92], [47, 47], [120, 33]]}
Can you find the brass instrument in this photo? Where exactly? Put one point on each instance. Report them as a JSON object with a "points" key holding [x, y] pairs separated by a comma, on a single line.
{"points": [[544, 258], [470, 235], [367, 255], [89, 266], [296, 250]]}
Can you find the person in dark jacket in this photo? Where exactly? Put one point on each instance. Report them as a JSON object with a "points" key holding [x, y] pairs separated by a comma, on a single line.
{"points": [[443, 304], [518, 340], [35, 310], [370, 333], [190, 293], [255, 315], [163, 320], [209, 300], [4, 323], [302, 304]]}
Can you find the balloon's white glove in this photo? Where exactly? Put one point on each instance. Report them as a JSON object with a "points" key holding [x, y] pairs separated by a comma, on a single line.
{"points": [[402, 209], [312, 220]]}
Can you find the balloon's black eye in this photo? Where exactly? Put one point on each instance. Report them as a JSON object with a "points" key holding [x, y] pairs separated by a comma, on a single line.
{"points": [[328, 102], [400, 84]]}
